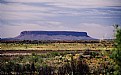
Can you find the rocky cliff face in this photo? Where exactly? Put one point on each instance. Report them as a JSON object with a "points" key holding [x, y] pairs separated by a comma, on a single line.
{"points": [[53, 35]]}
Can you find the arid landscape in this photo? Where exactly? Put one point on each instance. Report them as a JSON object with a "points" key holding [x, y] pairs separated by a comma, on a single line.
{"points": [[60, 37], [57, 58]]}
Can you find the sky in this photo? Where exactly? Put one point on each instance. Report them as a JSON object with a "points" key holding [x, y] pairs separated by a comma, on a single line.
{"points": [[96, 17]]}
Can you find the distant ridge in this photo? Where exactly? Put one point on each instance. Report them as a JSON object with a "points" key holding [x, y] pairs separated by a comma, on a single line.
{"points": [[53, 35]]}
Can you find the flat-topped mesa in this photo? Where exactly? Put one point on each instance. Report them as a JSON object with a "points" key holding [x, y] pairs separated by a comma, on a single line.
{"points": [[67, 33], [53, 35]]}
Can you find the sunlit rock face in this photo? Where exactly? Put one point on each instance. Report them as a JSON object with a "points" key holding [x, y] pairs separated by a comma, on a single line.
{"points": [[53, 35]]}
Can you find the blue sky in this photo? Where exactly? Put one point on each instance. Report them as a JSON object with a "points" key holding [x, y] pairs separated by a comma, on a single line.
{"points": [[93, 16]]}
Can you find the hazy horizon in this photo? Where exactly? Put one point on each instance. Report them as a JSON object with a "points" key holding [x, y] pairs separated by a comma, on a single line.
{"points": [[96, 17], [42, 30]]}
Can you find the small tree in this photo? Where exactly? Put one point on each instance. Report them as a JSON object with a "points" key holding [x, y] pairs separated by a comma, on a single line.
{"points": [[116, 54]]}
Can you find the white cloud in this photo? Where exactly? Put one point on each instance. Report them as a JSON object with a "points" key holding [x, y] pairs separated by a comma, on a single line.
{"points": [[22, 7], [54, 23], [20, 11], [24, 15], [14, 11], [75, 4], [35, 17]]}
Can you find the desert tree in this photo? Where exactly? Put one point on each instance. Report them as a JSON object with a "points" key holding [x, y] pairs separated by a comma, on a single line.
{"points": [[116, 54]]}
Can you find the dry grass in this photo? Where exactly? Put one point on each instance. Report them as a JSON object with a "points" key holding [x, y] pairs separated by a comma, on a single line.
{"points": [[57, 46]]}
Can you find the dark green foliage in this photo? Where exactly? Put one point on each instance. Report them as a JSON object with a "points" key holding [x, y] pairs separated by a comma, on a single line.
{"points": [[116, 53], [18, 68], [7, 67], [79, 67], [94, 54], [33, 69], [53, 54], [27, 68], [46, 70], [118, 39], [82, 67], [34, 57]]}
